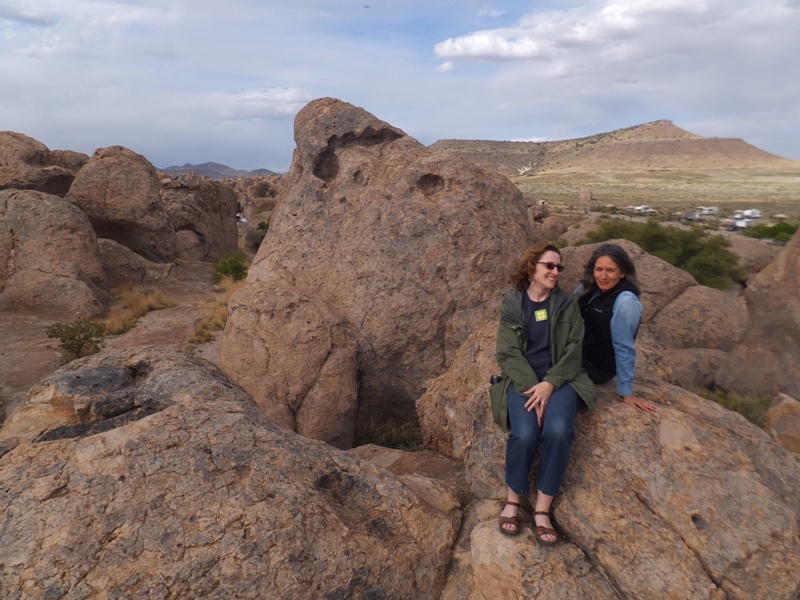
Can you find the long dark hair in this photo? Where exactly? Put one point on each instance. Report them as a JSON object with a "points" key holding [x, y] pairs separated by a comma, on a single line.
{"points": [[521, 277], [622, 260]]}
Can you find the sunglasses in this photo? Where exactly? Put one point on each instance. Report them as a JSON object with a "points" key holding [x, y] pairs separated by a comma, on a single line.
{"points": [[550, 266]]}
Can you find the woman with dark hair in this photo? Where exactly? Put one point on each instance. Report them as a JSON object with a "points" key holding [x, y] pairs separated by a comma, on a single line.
{"points": [[610, 306], [539, 345]]}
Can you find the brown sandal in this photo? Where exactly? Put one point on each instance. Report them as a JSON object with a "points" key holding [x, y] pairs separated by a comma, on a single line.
{"points": [[541, 530], [509, 520]]}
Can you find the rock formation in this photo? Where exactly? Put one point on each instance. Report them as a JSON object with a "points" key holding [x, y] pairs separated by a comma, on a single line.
{"points": [[119, 191], [48, 256], [154, 474], [692, 502], [123, 267], [27, 164], [203, 213], [375, 269], [766, 361], [783, 421], [701, 317]]}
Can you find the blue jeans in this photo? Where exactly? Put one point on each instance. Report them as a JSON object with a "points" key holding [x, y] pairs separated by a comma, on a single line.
{"points": [[555, 438]]}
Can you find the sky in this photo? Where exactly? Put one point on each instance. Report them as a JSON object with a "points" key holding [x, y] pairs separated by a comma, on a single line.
{"points": [[194, 81]]}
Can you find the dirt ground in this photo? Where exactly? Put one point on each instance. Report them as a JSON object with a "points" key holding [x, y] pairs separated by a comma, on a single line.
{"points": [[28, 355]]}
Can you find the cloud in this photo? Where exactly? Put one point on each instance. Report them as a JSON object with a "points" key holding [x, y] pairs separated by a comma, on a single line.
{"points": [[446, 67]]}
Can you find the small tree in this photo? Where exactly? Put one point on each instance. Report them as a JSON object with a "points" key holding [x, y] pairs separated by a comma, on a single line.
{"points": [[233, 264], [79, 338]]}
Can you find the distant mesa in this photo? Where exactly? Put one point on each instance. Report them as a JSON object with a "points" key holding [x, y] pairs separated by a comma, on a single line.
{"points": [[215, 171], [655, 145]]}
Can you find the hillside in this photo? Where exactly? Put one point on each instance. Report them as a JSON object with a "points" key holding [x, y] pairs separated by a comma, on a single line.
{"points": [[215, 171], [656, 145], [653, 163]]}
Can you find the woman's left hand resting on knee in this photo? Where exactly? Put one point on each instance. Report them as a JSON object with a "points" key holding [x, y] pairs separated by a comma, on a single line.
{"points": [[640, 404], [540, 394]]}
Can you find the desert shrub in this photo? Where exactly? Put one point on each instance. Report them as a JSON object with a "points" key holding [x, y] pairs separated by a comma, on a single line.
{"points": [[752, 408], [233, 265], [135, 304], [204, 328], [707, 258], [405, 436], [79, 338], [780, 232], [263, 225], [263, 189]]}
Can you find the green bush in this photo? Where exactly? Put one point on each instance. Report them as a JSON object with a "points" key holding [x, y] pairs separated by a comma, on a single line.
{"points": [[780, 232], [707, 258], [232, 264], [263, 225], [405, 436], [752, 408], [264, 189], [79, 338]]}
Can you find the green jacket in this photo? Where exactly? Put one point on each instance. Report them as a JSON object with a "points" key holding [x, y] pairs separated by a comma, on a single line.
{"points": [[566, 346]]}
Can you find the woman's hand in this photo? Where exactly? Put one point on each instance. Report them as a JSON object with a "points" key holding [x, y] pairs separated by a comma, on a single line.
{"points": [[640, 404], [540, 394]]}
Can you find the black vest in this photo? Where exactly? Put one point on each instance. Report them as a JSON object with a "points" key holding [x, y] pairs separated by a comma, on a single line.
{"points": [[598, 350]]}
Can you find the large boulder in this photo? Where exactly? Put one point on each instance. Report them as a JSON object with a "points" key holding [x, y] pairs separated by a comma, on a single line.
{"points": [[690, 502], [203, 212], [374, 271], [119, 190], [701, 317], [49, 258], [766, 361], [27, 164], [124, 268], [754, 254], [155, 474], [783, 421]]}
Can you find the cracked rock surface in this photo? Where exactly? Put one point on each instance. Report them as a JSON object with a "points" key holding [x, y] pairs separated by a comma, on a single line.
{"points": [[205, 497]]}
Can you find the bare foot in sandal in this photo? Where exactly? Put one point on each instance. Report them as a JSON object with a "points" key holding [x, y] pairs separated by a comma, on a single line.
{"points": [[545, 534], [509, 519]]}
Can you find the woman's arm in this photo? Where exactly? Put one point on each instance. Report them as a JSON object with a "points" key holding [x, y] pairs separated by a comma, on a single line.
{"points": [[625, 320]]}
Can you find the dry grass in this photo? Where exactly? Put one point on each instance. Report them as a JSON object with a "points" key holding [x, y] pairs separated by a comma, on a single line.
{"points": [[204, 329], [134, 304]]}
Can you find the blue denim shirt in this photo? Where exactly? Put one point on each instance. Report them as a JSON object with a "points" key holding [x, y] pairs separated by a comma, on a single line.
{"points": [[625, 319]]}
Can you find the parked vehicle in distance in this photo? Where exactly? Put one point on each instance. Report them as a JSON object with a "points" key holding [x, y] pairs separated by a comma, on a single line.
{"points": [[692, 216], [708, 211], [642, 208]]}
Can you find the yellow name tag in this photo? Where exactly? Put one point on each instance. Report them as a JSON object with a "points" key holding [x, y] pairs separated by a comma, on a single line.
{"points": [[540, 315]]}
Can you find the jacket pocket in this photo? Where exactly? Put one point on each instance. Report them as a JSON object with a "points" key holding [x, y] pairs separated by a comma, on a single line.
{"points": [[497, 396]]}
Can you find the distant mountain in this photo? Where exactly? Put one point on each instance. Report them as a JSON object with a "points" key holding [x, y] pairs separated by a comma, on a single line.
{"points": [[655, 145], [215, 171]]}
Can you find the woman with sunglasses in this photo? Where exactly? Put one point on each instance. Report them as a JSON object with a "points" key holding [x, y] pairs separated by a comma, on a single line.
{"points": [[539, 345], [610, 306]]}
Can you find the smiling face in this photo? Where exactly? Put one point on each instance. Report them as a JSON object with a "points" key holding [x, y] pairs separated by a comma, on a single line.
{"points": [[607, 273], [544, 279]]}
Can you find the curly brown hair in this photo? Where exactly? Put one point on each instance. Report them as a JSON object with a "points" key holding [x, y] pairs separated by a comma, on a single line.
{"points": [[521, 278]]}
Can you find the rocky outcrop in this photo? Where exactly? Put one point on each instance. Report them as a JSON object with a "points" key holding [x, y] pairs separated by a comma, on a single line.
{"points": [[701, 317], [27, 164], [374, 271], [123, 267], [783, 421], [692, 369], [119, 191], [156, 473], [765, 362], [48, 257], [754, 254], [203, 212], [692, 502]]}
